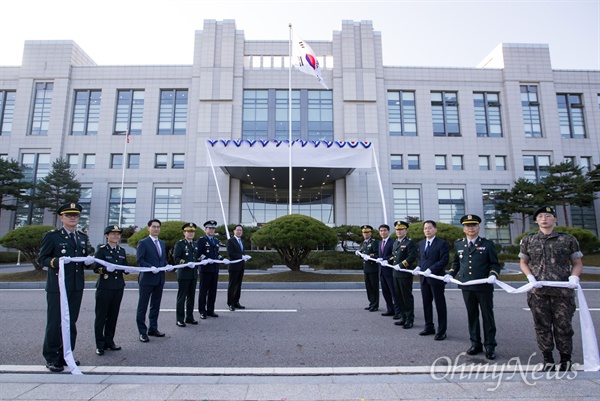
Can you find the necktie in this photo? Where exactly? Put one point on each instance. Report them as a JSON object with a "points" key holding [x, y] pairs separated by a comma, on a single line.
{"points": [[157, 247], [427, 247], [382, 247], [240, 242], [73, 240], [471, 245]]}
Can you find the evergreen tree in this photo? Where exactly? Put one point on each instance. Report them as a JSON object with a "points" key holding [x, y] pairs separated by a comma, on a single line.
{"points": [[594, 177], [13, 188], [57, 188], [524, 198]]}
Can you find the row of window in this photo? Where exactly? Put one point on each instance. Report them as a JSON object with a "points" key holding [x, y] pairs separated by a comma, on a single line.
{"points": [[161, 160], [413, 162]]}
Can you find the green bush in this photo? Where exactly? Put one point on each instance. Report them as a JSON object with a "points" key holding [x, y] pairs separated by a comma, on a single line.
{"points": [[588, 242], [334, 260], [9, 257], [447, 232], [263, 260], [26, 239]]}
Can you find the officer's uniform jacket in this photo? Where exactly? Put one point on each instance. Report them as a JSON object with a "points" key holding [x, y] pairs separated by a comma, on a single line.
{"points": [[110, 280], [210, 249], [57, 243], [370, 247], [480, 263], [184, 252], [405, 253]]}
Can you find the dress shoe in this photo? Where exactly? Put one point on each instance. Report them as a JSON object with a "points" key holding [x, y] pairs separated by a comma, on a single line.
{"points": [[401, 322], [144, 338], [191, 321], [397, 317], [212, 314], [156, 333], [203, 316], [112, 347], [180, 323], [373, 309], [231, 308], [99, 351], [368, 308], [490, 354], [427, 332], [387, 314], [238, 306], [474, 350], [440, 337], [407, 325], [54, 367]]}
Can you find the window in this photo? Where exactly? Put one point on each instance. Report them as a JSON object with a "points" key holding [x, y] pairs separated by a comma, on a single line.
{"points": [[89, 161], [407, 203], [320, 115], [493, 232], [396, 161], [584, 217], [487, 114], [35, 167], [500, 163], [413, 162], [531, 111], [130, 111], [457, 162], [402, 115], [85, 199], [160, 160], [7, 110], [167, 204], [569, 159], [3, 156], [86, 112], [172, 116], [73, 159], [133, 161], [255, 124], [536, 167], [41, 108], [585, 163], [178, 160], [444, 113], [452, 205], [484, 163], [116, 160], [440, 162], [282, 114], [570, 115], [121, 211]]}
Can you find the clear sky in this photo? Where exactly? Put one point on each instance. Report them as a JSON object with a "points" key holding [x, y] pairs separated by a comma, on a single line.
{"points": [[415, 33]]}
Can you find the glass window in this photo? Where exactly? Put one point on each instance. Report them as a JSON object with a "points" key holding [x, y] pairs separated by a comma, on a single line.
{"points": [[396, 161], [569, 159], [40, 120], [402, 114], [451, 203], [116, 160], [570, 115], [178, 160], [89, 161], [531, 111], [167, 204], [500, 163], [121, 210], [444, 113], [585, 162], [535, 167], [130, 112], [86, 112], [320, 115], [73, 160], [7, 111], [440, 162], [457, 162], [484, 163], [407, 204], [584, 217], [493, 232], [172, 118], [133, 161], [255, 115], [85, 199], [413, 162], [160, 160], [282, 114], [35, 167], [487, 114]]}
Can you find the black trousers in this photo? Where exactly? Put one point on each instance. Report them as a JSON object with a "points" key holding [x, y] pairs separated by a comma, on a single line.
{"points": [[108, 304], [52, 348], [186, 294], [372, 286], [484, 300], [430, 294], [404, 297], [387, 289], [234, 289], [148, 294], [208, 292]]}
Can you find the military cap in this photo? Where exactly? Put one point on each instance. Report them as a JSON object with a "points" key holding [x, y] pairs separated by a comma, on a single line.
{"points": [[470, 219], [69, 208], [111, 229], [400, 225], [366, 228], [189, 227], [545, 209], [210, 224]]}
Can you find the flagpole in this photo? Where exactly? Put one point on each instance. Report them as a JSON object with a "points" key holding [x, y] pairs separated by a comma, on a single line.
{"points": [[380, 187], [123, 177], [290, 122]]}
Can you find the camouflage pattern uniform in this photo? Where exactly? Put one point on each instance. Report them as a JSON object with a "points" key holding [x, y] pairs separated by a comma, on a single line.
{"points": [[549, 258]]}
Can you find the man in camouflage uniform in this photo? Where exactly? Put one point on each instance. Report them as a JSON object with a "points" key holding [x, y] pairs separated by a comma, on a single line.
{"points": [[548, 255], [371, 269], [405, 253]]}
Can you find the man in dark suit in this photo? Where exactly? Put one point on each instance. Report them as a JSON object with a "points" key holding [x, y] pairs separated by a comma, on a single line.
{"points": [[186, 251], [208, 248], [385, 246], [371, 268], [235, 251], [434, 254], [405, 254], [151, 252], [476, 258], [68, 242], [109, 290]]}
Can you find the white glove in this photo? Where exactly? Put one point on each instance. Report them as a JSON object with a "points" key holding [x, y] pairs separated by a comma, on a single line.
{"points": [[447, 278], [226, 261], [533, 281], [202, 257], [573, 281], [169, 268], [365, 257], [491, 279], [154, 270], [379, 260], [246, 257], [357, 253], [416, 271], [89, 260], [427, 273], [191, 265], [66, 259], [111, 268]]}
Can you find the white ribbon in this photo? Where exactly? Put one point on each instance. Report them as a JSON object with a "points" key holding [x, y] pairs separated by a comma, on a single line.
{"points": [[66, 317], [591, 356]]}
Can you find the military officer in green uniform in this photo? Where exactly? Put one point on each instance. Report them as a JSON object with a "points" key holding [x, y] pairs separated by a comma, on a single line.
{"points": [[109, 290], [369, 247], [476, 258], [405, 253], [186, 251], [68, 242]]}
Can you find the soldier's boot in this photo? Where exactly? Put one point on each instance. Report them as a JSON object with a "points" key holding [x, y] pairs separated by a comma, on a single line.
{"points": [[565, 362], [548, 361]]}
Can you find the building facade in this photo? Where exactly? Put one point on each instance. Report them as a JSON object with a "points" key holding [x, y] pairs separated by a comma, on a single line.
{"points": [[445, 140]]}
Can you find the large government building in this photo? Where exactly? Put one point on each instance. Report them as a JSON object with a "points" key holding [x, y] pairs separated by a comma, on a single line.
{"points": [[210, 140]]}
